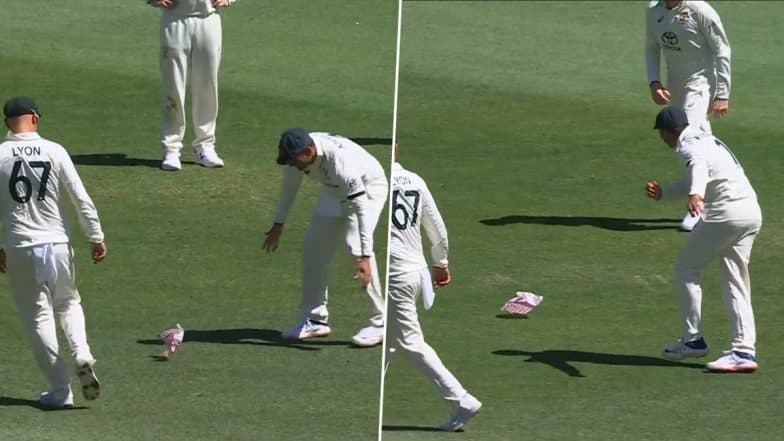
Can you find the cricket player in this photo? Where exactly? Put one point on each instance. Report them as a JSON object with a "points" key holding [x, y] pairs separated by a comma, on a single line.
{"points": [[190, 41], [412, 208], [697, 52], [718, 189], [352, 197], [37, 256]]}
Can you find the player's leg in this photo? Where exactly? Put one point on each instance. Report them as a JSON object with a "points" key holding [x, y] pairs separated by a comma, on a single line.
{"points": [[736, 284], [35, 311], [405, 330], [319, 247], [175, 47], [68, 310], [372, 334], [206, 57]]}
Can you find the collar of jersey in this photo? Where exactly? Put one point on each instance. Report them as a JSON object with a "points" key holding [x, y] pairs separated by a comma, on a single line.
{"points": [[319, 157], [25, 135], [688, 136]]}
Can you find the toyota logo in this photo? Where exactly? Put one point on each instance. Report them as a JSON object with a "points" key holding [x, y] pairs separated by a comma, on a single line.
{"points": [[670, 38]]}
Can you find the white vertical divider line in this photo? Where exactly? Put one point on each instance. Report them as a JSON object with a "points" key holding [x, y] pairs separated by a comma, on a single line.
{"points": [[384, 354]]}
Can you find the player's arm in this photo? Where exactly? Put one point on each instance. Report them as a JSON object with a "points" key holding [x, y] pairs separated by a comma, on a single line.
{"points": [[435, 229], [659, 94], [357, 203], [85, 208], [699, 175], [290, 184], [165, 4], [222, 3], [711, 27]]}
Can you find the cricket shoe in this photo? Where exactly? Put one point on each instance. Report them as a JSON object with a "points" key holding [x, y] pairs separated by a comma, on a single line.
{"points": [[689, 222], [171, 162], [680, 349], [91, 387], [306, 330], [208, 158], [61, 399], [733, 362], [368, 336], [468, 408]]}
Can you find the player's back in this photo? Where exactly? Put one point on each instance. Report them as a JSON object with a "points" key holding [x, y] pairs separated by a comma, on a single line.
{"points": [[411, 204], [350, 153], [30, 183]]}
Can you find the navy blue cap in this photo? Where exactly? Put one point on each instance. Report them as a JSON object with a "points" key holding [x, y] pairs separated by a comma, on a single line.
{"points": [[292, 142], [20, 105], [671, 118]]}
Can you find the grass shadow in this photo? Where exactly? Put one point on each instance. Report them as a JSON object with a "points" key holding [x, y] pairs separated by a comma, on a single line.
{"points": [[117, 160], [372, 141], [605, 223], [11, 401], [561, 359], [249, 336], [390, 428]]}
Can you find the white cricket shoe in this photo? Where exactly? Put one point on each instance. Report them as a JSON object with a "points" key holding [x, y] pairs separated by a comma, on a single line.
{"points": [[307, 329], [468, 408], [689, 222], [56, 399], [368, 336], [680, 349], [208, 158], [171, 162], [91, 387], [733, 362]]}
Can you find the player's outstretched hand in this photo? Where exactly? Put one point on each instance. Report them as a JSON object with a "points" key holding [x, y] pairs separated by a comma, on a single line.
{"points": [[98, 252], [441, 277], [696, 206], [273, 237], [220, 3], [2, 261], [660, 95], [653, 189], [165, 4], [362, 271], [719, 108]]}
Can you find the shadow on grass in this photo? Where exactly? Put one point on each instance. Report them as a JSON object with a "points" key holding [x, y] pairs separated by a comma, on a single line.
{"points": [[605, 223], [372, 141], [249, 336], [561, 360], [389, 428], [10, 401], [117, 160]]}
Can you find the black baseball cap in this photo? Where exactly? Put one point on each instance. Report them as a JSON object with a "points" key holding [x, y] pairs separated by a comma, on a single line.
{"points": [[20, 105], [671, 118], [292, 142]]}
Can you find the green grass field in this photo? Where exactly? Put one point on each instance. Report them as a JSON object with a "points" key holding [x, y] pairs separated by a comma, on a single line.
{"points": [[186, 247], [537, 115]]}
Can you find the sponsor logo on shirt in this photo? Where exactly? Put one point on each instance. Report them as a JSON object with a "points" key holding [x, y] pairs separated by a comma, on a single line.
{"points": [[670, 41]]}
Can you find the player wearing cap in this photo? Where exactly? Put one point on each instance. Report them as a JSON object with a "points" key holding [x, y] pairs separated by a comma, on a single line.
{"points": [[718, 189], [190, 40], [697, 53], [413, 208], [353, 195], [37, 255]]}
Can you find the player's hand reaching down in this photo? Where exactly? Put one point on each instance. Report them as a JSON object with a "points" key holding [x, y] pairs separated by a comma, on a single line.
{"points": [[165, 4], [362, 271], [660, 94], [220, 3], [653, 189], [441, 277], [696, 206], [98, 252], [273, 237], [719, 107]]}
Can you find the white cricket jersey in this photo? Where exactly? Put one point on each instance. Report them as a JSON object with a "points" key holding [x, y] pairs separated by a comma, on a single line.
{"points": [[714, 173], [345, 168], [694, 44], [413, 208], [191, 8], [34, 175]]}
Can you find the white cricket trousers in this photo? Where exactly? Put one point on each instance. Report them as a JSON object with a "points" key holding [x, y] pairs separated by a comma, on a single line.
{"points": [[189, 44], [695, 101], [39, 303], [404, 329], [328, 226], [731, 242]]}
